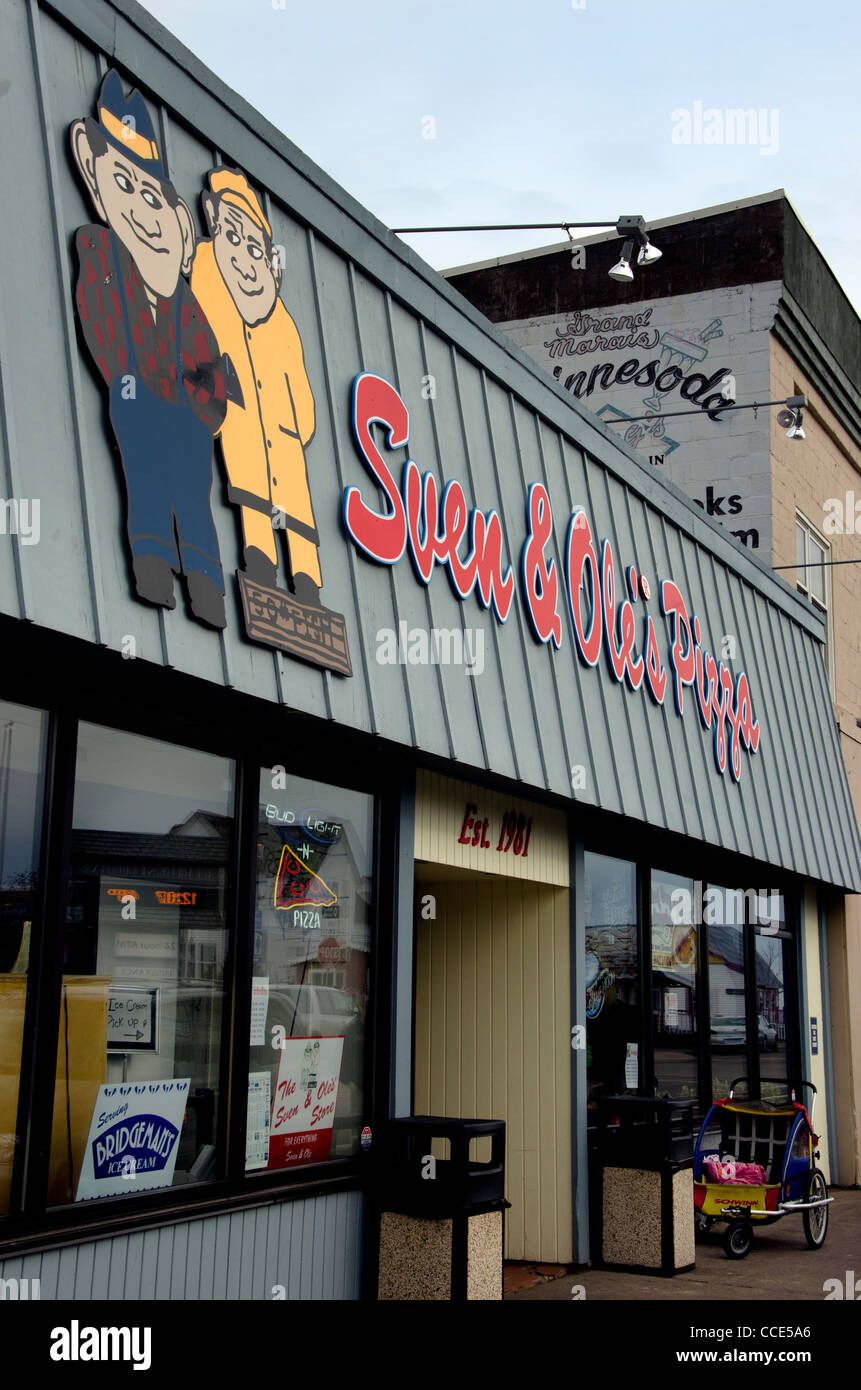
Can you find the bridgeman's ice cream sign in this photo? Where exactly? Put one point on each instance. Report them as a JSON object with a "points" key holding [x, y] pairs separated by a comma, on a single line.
{"points": [[133, 1139]]}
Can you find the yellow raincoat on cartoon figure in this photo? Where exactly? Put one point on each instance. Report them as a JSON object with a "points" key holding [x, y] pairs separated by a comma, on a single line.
{"points": [[264, 439]]}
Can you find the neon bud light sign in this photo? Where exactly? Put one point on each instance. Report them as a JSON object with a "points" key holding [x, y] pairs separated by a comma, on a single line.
{"points": [[440, 529]]}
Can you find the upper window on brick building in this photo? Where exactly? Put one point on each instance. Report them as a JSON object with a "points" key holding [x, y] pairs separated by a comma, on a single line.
{"points": [[813, 579]]}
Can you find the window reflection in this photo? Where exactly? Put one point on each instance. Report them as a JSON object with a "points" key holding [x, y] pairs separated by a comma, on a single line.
{"points": [[612, 977], [724, 914], [22, 756], [674, 986], [770, 937], [139, 1055], [311, 972]]}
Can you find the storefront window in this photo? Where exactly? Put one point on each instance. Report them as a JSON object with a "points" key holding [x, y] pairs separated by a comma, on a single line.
{"points": [[22, 762], [309, 991], [724, 914], [674, 986], [140, 1047], [612, 977], [770, 937]]}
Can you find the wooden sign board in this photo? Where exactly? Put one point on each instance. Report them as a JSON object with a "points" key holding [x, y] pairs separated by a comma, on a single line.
{"points": [[313, 634]]}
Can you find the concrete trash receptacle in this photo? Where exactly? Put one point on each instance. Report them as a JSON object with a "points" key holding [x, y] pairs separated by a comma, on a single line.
{"points": [[440, 1219], [646, 1197]]}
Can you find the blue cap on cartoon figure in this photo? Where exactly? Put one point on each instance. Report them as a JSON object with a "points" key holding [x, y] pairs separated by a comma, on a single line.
{"points": [[126, 124]]}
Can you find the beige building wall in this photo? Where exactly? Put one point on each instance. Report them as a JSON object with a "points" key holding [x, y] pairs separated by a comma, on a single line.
{"points": [[492, 1037], [805, 477], [450, 812]]}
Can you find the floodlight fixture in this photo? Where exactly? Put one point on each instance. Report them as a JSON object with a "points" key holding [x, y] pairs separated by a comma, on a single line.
{"points": [[648, 254], [622, 269]]}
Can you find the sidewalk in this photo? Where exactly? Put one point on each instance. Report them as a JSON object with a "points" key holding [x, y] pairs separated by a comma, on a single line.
{"points": [[780, 1265]]}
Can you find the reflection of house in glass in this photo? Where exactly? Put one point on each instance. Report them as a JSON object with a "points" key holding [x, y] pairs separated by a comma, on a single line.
{"points": [[726, 977], [149, 912], [144, 883]]}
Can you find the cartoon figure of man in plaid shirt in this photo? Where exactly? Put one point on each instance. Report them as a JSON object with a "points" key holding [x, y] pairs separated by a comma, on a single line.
{"points": [[152, 344]]}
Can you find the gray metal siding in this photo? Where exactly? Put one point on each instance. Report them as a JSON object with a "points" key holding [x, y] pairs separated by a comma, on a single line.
{"points": [[363, 301], [312, 1248]]}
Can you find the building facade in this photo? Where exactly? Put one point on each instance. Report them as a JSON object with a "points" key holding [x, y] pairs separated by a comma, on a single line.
{"points": [[741, 291], [300, 833]]}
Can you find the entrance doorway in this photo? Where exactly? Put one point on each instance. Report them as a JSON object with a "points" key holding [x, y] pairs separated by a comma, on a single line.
{"points": [[492, 1035]]}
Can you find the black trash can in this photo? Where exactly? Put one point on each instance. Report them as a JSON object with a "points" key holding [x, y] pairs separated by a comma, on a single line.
{"points": [[644, 1194], [440, 1219]]}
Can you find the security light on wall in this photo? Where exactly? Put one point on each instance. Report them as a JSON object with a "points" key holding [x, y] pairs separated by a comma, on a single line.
{"points": [[791, 420]]}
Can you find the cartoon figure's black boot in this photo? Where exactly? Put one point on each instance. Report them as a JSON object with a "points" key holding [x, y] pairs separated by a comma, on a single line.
{"points": [[206, 599], [154, 580]]}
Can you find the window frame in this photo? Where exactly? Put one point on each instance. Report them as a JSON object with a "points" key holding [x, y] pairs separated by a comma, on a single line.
{"points": [[660, 854], [659, 869], [30, 1222], [825, 609]]}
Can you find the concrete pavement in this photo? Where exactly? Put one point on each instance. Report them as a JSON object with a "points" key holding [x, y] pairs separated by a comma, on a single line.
{"points": [[780, 1266]]}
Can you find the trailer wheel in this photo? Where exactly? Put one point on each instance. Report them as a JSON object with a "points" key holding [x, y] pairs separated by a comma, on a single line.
{"points": [[737, 1240], [815, 1220]]}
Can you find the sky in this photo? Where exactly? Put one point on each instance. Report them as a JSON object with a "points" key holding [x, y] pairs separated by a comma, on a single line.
{"points": [[439, 112]]}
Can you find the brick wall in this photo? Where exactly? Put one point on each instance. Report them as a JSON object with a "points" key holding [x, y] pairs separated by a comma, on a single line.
{"points": [[805, 475]]}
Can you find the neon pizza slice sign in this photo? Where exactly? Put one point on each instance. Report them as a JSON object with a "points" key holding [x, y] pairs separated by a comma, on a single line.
{"points": [[437, 529], [297, 885]]}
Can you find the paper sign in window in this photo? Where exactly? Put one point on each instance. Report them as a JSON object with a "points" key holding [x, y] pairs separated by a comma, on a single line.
{"points": [[305, 1100]]}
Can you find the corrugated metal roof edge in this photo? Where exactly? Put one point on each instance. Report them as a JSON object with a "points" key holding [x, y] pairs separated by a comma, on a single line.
{"points": [[605, 446]]}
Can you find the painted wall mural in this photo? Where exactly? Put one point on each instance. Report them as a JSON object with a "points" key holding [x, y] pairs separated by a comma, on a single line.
{"points": [[193, 342], [667, 355]]}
